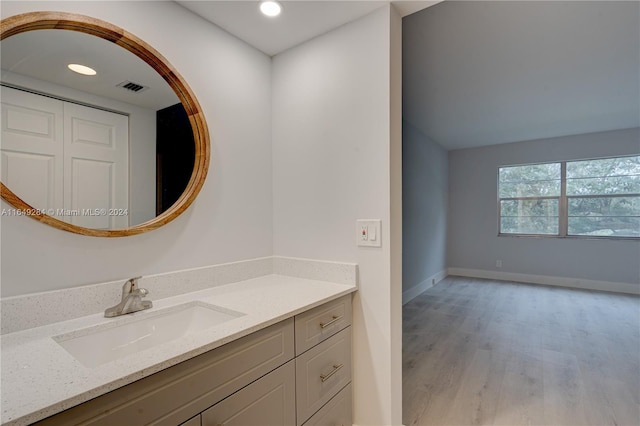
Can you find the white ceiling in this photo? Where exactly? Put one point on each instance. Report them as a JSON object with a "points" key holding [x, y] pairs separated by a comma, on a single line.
{"points": [[45, 54], [300, 20], [484, 73]]}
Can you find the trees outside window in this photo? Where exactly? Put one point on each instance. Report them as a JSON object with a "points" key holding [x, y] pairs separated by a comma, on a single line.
{"points": [[594, 198]]}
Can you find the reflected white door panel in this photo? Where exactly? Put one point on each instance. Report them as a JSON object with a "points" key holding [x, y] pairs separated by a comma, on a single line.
{"points": [[66, 158], [96, 148], [31, 147]]}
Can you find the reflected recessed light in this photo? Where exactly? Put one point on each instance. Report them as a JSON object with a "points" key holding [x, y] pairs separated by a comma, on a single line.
{"points": [[81, 69], [270, 8]]}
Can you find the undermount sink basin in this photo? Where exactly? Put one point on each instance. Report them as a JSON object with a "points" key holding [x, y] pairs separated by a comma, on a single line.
{"points": [[98, 345]]}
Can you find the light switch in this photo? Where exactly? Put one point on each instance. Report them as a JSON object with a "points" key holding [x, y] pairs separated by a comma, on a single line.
{"points": [[364, 233], [368, 232]]}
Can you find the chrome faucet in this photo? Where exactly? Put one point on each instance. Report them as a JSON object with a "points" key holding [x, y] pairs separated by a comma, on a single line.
{"points": [[131, 300]]}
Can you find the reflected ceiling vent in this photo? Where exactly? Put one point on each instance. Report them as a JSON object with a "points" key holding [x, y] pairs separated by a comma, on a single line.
{"points": [[132, 87]]}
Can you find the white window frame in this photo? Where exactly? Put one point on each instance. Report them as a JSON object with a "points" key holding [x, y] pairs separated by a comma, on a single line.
{"points": [[563, 203]]}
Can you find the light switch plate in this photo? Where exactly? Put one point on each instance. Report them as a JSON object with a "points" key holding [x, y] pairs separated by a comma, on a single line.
{"points": [[368, 232]]}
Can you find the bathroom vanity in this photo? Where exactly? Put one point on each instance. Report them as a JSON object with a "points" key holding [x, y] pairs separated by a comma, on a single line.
{"points": [[281, 355], [282, 375]]}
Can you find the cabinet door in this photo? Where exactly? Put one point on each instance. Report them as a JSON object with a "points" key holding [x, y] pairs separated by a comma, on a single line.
{"points": [[96, 163], [31, 151], [269, 401], [336, 412], [321, 373], [194, 421], [58, 154]]}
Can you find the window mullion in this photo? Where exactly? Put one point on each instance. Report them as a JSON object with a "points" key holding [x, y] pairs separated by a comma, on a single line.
{"points": [[563, 204]]}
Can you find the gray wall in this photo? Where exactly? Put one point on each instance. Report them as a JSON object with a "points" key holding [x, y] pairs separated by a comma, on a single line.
{"points": [[473, 224], [424, 207]]}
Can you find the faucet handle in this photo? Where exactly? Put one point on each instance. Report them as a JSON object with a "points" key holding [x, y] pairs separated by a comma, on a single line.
{"points": [[129, 286]]}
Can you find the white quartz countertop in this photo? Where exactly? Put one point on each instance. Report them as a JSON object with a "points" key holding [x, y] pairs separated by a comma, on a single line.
{"points": [[39, 378]]}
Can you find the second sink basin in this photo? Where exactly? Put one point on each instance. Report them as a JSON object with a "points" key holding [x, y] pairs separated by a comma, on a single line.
{"points": [[98, 345]]}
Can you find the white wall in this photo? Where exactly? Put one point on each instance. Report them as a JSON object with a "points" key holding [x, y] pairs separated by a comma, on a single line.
{"points": [[232, 217], [332, 158], [473, 223], [425, 201]]}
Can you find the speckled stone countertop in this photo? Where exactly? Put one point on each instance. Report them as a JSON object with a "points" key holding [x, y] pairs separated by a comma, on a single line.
{"points": [[40, 378]]}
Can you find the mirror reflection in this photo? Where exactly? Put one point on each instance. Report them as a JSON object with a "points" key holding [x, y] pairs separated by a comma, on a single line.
{"points": [[107, 148]]}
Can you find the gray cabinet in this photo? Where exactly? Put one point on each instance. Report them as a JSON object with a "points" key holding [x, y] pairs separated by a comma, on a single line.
{"points": [[322, 372], [337, 412], [262, 379], [269, 401], [318, 324], [173, 396], [323, 364], [194, 421]]}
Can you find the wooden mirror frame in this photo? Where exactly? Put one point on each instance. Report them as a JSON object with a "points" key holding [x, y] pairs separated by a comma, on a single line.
{"points": [[68, 21]]}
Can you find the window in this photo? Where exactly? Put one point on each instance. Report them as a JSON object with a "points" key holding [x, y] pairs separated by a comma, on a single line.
{"points": [[594, 198], [603, 197]]}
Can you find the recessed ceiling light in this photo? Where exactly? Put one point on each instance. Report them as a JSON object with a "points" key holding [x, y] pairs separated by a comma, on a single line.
{"points": [[81, 69], [270, 8]]}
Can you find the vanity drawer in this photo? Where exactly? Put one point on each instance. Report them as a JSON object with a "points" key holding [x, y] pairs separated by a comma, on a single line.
{"points": [[318, 324], [337, 412], [321, 373], [194, 421], [176, 394], [269, 401]]}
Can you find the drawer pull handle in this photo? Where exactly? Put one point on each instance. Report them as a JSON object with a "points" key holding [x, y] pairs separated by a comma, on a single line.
{"points": [[325, 377], [327, 324]]}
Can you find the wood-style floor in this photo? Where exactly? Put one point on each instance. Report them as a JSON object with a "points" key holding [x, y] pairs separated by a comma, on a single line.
{"points": [[481, 352]]}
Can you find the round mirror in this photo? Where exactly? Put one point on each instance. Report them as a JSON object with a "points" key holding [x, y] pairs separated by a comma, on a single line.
{"points": [[100, 135]]}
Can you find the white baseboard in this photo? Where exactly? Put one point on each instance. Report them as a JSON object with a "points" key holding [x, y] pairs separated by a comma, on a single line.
{"points": [[416, 290], [610, 286]]}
